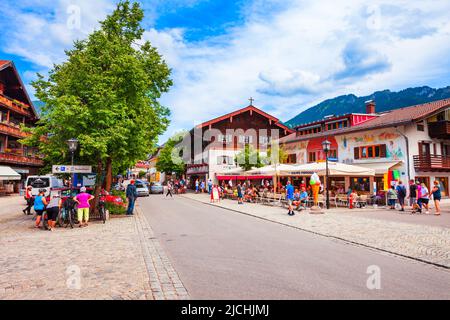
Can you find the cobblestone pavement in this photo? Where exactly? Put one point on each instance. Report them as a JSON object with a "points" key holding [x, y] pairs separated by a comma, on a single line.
{"points": [[116, 261], [421, 242]]}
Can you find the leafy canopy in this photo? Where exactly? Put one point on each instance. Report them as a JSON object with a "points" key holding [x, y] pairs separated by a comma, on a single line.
{"points": [[105, 95], [249, 158], [170, 158]]}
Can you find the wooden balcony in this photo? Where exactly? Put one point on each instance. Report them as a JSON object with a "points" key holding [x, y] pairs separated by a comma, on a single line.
{"points": [[20, 160], [11, 130], [439, 129], [20, 108], [434, 163]]}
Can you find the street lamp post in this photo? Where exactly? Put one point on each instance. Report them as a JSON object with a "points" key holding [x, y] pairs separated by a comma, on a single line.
{"points": [[326, 148], [73, 146]]}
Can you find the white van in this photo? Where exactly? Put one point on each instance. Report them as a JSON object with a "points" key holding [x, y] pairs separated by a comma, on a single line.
{"points": [[49, 183]]}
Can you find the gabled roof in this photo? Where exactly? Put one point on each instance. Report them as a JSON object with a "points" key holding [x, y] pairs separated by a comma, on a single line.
{"points": [[276, 121], [394, 118], [4, 64]]}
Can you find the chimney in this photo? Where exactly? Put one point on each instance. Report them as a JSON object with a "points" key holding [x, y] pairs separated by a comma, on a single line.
{"points": [[370, 107]]}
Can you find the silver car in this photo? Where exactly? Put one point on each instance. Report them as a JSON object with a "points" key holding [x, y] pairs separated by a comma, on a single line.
{"points": [[157, 188], [142, 190]]}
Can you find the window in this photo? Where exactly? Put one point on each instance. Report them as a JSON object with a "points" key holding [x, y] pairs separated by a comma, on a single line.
{"points": [[264, 140], [224, 160], [370, 152], [225, 138], [245, 139], [311, 157], [292, 158], [420, 127]]}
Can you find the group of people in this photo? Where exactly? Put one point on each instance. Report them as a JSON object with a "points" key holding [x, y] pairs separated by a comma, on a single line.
{"points": [[419, 196], [52, 207]]}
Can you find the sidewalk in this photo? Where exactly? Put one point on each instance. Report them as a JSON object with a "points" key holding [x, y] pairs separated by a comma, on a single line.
{"points": [[422, 242], [115, 261]]}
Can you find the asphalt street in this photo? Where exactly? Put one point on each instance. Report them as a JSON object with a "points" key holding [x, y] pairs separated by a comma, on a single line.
{"points": [[221, 254]]}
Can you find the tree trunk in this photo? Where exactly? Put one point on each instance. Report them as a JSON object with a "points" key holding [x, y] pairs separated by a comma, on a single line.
{"points": [[109, 174], [98, 185]]}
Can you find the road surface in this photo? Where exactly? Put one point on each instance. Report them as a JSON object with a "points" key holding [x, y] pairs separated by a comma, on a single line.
{"points": [[220, 254]]}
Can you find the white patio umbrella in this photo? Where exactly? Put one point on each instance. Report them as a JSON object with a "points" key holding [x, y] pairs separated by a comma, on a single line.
{"points": [[336, 169]]}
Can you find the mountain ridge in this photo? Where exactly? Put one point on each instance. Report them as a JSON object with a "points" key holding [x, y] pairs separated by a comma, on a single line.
{"points": [[386, 100]]}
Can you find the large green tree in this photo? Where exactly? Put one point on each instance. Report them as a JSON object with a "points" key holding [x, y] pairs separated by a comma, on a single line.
{"points": [[249, 158], [170, 158], [106, 94]]}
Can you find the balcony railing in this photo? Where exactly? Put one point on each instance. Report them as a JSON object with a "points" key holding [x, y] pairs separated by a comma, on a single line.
{"points": [[439, 129], [432, 163], [21, 160], [18, 107], [9, 129]]}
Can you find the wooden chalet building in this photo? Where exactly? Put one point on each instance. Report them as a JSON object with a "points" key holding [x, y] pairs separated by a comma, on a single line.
{"points": [[224, 137], [16, 109]]}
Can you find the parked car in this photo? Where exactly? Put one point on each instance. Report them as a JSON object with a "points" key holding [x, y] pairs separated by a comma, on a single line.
{"points": [[48, 183], [156, 188], [142, 190], [118, 187]]}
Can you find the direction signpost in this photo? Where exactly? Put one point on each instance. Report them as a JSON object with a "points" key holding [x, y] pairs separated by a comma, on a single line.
{"points": [[59, 169]]}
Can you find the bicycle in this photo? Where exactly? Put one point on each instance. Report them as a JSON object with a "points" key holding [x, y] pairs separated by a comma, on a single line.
{"points": [[67, 216]]}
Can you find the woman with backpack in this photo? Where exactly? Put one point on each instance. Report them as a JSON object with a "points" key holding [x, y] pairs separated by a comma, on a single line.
{"points": [[392, 197]]}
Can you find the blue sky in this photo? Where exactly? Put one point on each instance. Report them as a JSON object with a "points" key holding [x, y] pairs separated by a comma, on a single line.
{"points": [[287, 54]]}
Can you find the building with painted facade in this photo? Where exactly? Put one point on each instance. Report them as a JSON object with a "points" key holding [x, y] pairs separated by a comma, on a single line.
{"points": [[412, 141]]}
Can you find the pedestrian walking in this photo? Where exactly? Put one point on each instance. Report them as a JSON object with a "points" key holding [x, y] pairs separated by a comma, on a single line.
{"points": [[39, 206], [53, 208], [202, 186], [412, 194], [83, 199], [290, 198], [392, 197], [210, 185], [424, 199], [240, 194], [197, 186], [29, 199], [401, 194], [169, 189], [132, 195], [437, 197]]}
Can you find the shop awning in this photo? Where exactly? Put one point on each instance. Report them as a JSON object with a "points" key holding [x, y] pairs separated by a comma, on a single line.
{"points": [[381, 167], [7, 173], [249, 177]]}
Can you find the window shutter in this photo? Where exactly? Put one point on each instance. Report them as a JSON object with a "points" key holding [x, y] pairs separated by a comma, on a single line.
{"points": [[383, 152], [356, 153]]}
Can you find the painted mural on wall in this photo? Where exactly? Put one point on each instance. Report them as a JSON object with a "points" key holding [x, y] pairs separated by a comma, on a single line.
{"points": [[299, 149], [393, 140]]}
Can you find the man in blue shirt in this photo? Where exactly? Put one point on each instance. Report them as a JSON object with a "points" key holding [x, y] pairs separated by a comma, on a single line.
{"points": [[290, 197], [132, 196]]}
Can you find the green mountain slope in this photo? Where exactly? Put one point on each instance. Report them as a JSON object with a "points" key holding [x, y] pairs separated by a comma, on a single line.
{"points": [[385, 100]]}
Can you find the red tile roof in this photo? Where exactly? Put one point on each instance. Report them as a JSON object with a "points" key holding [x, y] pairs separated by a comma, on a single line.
{"points": [[246, 109], [393, 118]]}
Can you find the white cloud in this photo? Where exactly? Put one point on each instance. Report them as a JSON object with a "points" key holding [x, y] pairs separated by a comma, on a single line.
{"points": [[287, 56], [310, 52]]}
